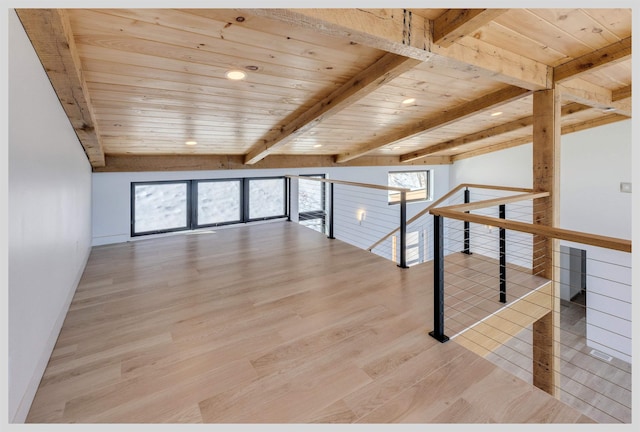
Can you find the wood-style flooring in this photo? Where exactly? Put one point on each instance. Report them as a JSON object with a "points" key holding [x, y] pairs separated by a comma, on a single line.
{"points": [[269, 323], [600, 389]]}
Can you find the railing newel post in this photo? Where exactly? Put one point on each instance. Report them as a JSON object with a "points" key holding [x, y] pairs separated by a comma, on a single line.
{"points": [[467, 240], [331, 212], [503, 256], [403, 230], [438, 280]]}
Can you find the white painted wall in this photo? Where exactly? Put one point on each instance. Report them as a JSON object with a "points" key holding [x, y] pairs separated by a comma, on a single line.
{"points": [[112, 206], [49, 219], [592, 165]]}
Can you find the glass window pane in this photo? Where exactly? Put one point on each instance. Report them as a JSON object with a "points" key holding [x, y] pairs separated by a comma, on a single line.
{"points": [[266, 198], [416, 181], [160, 207], [310, 195], [218, 202]]}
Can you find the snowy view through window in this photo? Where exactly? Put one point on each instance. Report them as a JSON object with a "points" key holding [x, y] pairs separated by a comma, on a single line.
{"points": [[218, 202], [164, 206], [414, 180], [266, 198], [310, 200], [160, 207]]}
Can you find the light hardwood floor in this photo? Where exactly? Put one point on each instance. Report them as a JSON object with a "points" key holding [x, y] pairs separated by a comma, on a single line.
{"points": [[270, 323]]}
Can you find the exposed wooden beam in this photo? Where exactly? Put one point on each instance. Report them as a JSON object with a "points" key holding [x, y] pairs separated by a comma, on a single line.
{"points": [[398, 31], [50, 33], [495, 63], [402, 32], [372, 78], [121, 163], [460, 112], [581, 91], [511, 126], [608, 55], [567, 129], [454, 24], [546, 212], [621, 93]]}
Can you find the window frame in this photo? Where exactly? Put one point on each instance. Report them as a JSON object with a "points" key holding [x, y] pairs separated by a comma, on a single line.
{"points": [[247, 200], [196, 183], [427, 188], [315, 214], [192, 203], [187, 227]]}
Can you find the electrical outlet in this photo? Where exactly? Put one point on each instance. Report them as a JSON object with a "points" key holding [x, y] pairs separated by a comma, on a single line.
{"points": [[625, 187]]}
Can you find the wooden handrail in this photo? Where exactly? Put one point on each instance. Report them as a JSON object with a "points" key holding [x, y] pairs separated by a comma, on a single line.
{"points": [[445, 197], [495, 201], [542, 230], [348, 183]]}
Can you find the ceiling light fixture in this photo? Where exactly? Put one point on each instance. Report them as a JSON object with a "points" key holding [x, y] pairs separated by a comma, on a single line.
{"points": [[235, 75], [609, 109], [317, 145], [497, 113], [408, 101], [191, 143]]}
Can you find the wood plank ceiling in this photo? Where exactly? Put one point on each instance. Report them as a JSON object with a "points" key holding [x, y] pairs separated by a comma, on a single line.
{"points": [[324, 87]]}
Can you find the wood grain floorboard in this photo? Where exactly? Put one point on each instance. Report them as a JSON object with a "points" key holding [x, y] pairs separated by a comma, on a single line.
{"points": [[271, 323]]}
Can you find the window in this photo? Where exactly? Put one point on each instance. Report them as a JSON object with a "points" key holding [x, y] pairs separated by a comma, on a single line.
{"points": [[311, 203], [159, 207], [167, 206], [416, 181], [219, 202], [267, 198]]}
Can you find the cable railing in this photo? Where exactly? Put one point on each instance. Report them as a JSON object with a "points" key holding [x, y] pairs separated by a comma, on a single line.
{"points": [[552, 306], [356, 213]]}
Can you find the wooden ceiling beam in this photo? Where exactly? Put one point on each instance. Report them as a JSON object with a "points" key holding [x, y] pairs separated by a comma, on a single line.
{"points": [[589, 62], [404, 33], [398, 31], [484, 103], [50, 34], [129, 162], [372, 78], [588, 124], [621, 93], [511, 126], [455, 24], [581, 91]]}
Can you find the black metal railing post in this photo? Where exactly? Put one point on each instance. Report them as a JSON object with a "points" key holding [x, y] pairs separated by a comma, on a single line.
{"points": [[467, 241], [438, 280], [289, 199], [503, 257], [403, 230], [331, 206]]}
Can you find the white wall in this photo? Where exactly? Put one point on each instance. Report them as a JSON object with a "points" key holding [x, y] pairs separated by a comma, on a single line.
{"points": [[112, 206], [592, 165], [49, 219]]}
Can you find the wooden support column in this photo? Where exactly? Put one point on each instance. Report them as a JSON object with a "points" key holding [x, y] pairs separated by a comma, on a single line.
{"points": [[546, 178]]}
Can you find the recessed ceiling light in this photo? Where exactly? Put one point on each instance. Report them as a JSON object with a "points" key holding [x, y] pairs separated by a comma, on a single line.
{"points": [[495, 114], [317, 145], [609, 109], [235, 75], [408, 101], [191, 143]]}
